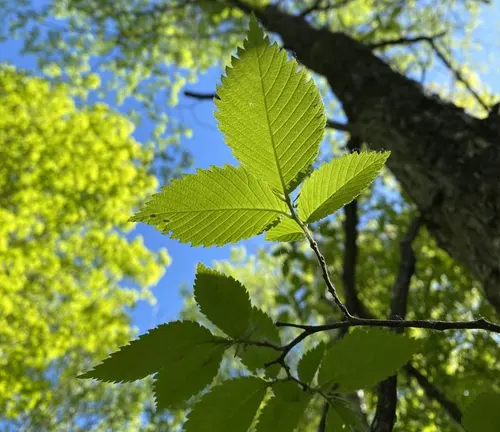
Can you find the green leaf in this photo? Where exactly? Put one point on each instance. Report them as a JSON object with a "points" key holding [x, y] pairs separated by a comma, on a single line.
{"points": [[365, 357], [341, 417], [262, 329], [286, 230], [337, 183], [483, 414], [177, 381], [229, 407], [283, 412], [164, 346], [223, 300], [270, 112], [213, 207], [309, 363]]}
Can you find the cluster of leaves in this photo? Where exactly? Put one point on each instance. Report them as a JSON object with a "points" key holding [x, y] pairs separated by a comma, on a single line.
{"points": [[68, 178], [186, 356]]}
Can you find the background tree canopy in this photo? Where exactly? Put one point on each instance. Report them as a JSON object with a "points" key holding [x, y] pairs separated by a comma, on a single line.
{"points": [[395, 75]]}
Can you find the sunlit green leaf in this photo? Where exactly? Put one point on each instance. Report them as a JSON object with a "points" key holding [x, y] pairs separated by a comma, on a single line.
{"points": [[270, 112], [213, 207], [336, 183], [286, 230]]}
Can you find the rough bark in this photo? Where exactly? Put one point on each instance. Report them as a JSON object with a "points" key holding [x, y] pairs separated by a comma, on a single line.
{"points": [[446, 160]]}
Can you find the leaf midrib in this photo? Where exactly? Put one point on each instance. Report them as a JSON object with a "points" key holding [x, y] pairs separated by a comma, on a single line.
{"points": [[226, 209], [276, 160]]}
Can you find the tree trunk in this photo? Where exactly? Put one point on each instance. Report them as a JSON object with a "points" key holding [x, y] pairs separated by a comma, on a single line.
{"points": [[447, 161]]}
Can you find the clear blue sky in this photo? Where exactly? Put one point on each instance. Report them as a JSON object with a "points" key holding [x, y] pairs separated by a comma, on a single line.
{"points": [[208, 148]]}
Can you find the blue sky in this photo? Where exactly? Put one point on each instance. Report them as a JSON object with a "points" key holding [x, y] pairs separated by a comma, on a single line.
{"points": [[208, 148]]}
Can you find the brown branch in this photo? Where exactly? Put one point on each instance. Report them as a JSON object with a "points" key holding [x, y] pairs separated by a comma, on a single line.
{"points": [[385, 414], [200, 95], [350, 258], [404, 41], [324, 267], [324, 415], [437, 325], [344, 127]]}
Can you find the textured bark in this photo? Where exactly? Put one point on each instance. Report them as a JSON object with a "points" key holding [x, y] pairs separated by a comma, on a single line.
{"points": [[447, 161]]}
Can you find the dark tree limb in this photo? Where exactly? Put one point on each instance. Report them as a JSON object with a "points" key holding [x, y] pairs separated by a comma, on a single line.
{"points": [[436, 147], [350, 258], [404, 41], [385, 414]]}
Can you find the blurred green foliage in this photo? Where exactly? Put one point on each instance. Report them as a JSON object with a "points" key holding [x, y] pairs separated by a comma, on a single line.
{"points": [[68, 271]]}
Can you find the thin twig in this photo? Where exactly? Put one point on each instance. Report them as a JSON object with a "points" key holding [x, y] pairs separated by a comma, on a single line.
{"points": [[343, 127], [458, 75], [324, 268], [405, 40], [200, 95]]}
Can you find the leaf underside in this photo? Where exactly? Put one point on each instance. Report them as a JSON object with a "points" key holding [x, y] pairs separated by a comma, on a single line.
{"points": [[213, 207], [337, 183], [270, 112], [286, 230]]}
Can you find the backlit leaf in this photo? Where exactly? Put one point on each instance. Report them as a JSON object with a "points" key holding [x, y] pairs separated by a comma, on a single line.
{"points": [[271, 114], [213, 207], [286, 230], [337, 183]]}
